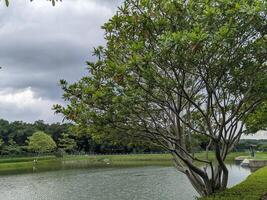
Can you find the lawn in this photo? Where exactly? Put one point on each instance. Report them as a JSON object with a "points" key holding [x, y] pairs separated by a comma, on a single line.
{"points": [[259, 156], [47, 163], [253, 188]]}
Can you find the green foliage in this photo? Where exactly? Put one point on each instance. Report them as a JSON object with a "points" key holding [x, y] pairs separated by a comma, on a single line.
{"points": [[173, 69], [40, 142], [67, 144], [12, 147], [14, 136], [258, 119], [245, 145], [1, 142], [263, 147], [253, 188], [202, 54]]}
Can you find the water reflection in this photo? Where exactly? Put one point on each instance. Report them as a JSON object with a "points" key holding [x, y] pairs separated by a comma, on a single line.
{"points": [[145, 183], [237, 174]]}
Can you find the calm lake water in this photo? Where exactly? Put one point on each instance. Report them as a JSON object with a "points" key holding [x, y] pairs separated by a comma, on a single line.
{"points": [[145, 183]]}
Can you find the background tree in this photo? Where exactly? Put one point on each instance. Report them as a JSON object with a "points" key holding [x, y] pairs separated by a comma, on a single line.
{"points": [[15, 134], [57, 129], [257, 120], [173, 69], [1, 144], [19, 132], [40, 142], [12, 148], [4, 130], [67, 144]]}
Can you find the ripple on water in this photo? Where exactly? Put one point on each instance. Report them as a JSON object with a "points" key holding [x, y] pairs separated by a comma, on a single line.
{"points": [[144, 183]]}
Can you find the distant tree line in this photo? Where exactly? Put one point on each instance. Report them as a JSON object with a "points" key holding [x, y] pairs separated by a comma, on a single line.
{"points": [[245, 144], [15, 139]]}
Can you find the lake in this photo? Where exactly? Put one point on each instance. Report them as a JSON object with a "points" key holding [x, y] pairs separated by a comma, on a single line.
{"points": [[142, 183]]}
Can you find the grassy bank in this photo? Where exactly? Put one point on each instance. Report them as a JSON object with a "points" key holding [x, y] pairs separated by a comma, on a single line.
{"points": [[253, 188], [46, 163], [258, 156]]}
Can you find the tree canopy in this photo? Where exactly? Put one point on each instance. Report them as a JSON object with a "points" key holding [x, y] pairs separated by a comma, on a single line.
{"points": [[257, 119], [40, 142], [67, 144], [172, 69], [14, 135]]}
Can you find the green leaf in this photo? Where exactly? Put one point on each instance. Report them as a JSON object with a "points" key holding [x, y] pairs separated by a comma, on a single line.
{"points": [[7, 2]]}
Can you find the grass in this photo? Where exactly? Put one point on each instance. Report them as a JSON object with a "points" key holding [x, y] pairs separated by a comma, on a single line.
{"points": [[24, 159], [259, 156], [48, 163], [253, 188]]}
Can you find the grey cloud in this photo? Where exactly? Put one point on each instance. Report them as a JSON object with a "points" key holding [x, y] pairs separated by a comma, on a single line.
{"points": [[41, 44]]}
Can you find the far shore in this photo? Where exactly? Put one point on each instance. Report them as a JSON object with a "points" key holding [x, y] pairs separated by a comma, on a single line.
{"points": [[18, 165]]}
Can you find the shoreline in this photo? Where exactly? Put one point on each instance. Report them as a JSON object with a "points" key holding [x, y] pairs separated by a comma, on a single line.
{"points": [[253, 188], [22, 165]]}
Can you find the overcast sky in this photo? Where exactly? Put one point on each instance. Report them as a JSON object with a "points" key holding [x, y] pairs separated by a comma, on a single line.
{"points": [[40, 45]]}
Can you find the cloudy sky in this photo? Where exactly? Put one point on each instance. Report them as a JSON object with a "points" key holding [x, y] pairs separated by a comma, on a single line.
{"points": [[40, 45]]}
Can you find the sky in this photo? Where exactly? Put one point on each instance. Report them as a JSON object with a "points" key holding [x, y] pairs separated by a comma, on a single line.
{"points": [[40, 45]]}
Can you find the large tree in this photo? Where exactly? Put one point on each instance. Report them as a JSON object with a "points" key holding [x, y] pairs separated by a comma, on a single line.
{"points": [[172, 69]]}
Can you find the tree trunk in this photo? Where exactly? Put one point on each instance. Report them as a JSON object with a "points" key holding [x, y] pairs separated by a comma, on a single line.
{"points": [[205, 184]]}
